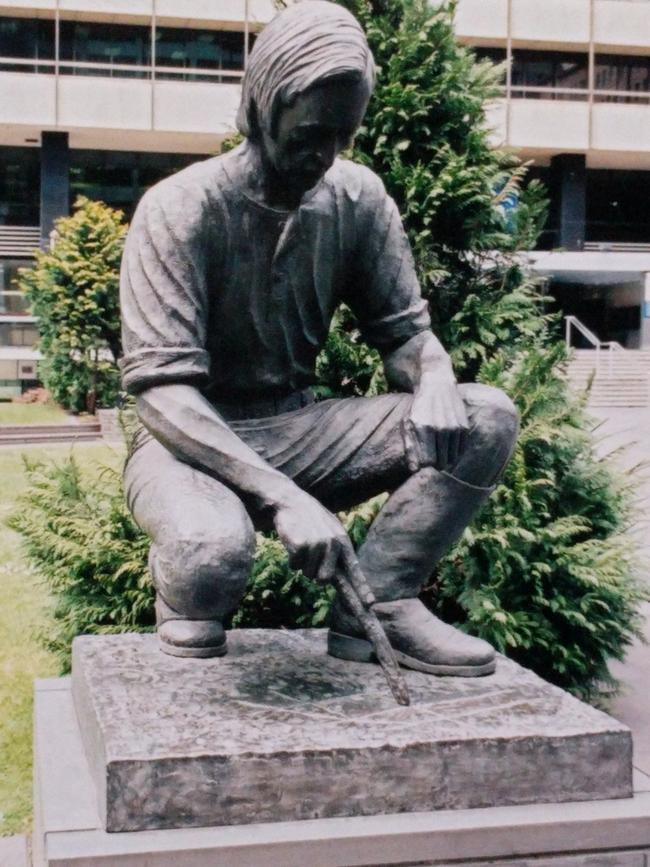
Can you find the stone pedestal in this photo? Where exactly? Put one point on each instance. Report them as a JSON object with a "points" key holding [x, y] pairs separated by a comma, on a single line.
{"points": [[279, 731]]}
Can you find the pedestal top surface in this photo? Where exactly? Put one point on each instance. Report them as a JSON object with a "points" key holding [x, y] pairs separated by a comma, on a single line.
{"points": [[279, 691]]}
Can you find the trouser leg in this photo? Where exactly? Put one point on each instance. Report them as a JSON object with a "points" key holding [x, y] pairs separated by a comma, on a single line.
{"points": [[202, 548], [343, 452], [424, 516], [427, 514]]}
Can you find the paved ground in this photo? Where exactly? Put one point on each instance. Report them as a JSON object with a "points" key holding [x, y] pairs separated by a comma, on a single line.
{"points": [[630, 428], [13, 851]]}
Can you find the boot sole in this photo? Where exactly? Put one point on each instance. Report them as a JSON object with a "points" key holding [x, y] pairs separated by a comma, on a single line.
{"points": [[192, 652], [359, 650]]}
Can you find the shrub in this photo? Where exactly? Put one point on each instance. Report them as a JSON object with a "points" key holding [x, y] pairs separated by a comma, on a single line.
{"points": [[546, 573], [78, 534], [73, 290]]}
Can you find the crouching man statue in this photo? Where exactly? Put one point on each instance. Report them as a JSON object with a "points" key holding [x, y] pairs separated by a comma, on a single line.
{"points": [[232, 272]]}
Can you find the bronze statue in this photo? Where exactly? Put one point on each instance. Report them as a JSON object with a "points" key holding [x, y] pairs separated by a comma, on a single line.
{"points": [[232, 272]]}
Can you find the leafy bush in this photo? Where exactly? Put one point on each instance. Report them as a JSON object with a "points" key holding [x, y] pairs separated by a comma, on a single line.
{"points": [[73, 289], [81, 538], [79, 535]]}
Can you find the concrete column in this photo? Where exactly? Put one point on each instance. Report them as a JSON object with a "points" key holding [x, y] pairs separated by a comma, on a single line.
{"points": [[55, 181], [644, 337], [569, 200]]}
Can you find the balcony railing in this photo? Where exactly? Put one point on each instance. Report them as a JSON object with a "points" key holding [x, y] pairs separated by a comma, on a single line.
{"points": [[19, 241], [578, 94], [616, 247], [120, 70]]}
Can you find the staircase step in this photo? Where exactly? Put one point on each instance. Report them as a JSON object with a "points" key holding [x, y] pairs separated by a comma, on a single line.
{"points": [[50, 428], [13, 434]]}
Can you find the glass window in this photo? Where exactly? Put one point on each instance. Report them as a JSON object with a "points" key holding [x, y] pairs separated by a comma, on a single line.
{"points": [[553, 69], [616, 208], [18, 334], [494, 55], [20, 182], [622, 72], [198, 50], [27, 38], [119, 178], [12, 300], [112, 44]]}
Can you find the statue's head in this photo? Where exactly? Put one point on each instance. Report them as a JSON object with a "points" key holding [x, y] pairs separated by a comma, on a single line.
{"points": [[305, 91]]}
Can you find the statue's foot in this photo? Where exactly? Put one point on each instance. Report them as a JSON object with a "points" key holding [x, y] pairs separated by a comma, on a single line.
{"points": [[199, 639], [419, 639]]}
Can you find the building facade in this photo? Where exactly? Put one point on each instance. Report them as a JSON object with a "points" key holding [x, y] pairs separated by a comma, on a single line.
{"points": [[104, 97], [577, 105]]}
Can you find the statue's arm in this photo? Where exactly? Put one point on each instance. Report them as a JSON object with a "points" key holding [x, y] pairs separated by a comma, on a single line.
{"points": [[421, 357], [179, 417], [385, 294]]}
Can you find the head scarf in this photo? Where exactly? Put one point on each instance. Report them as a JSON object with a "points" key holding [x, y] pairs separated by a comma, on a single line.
{"points": [[306, 44]]}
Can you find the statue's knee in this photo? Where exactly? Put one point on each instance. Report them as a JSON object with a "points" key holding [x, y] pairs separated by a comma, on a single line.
{"points": [[202, 576], [499, 417], [495, 425]]}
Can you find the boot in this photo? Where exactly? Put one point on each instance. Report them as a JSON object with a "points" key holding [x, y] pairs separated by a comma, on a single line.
{"points": [[178, 636], [419, 639], [418, 524]]}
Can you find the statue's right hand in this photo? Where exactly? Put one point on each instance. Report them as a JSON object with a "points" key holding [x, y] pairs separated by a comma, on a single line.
{"points": [[315, 539]]}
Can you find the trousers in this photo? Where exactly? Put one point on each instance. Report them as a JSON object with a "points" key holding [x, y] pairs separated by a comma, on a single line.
{"points": [[340, 451]]}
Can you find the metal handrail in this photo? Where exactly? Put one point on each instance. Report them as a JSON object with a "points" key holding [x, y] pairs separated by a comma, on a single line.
{"points": [[612, 346], [19, 240]]}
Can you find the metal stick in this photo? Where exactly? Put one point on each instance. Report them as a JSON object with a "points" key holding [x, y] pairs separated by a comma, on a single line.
{"points": [[353, 596]]}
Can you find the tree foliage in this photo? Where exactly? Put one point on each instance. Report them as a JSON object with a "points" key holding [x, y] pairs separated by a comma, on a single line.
{"points": [[73, 289]]}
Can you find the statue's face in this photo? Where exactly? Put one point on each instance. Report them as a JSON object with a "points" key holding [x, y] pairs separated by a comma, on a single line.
{"points": [[311, 132]]}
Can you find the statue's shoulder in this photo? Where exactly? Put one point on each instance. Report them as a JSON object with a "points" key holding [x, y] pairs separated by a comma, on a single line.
{"points": [[356, 182], [188, 194]]}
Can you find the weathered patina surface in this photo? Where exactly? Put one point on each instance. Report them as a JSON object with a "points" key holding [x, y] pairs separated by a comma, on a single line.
{"points": [[232, 272], [278, 730]]}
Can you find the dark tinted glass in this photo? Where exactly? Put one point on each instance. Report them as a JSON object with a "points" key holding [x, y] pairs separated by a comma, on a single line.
{"points": [[617, 206], [494, 55], [91, 42], [619, 72], [199, 49], [19, 186], [119, 178], [549, 69], [27, 38]]}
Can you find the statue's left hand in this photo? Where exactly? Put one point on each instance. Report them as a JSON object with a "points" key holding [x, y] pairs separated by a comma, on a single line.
{"points": [[436, 428]]}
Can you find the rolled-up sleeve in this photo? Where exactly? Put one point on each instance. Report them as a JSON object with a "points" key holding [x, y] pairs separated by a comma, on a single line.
{"points": [[384, 292], [163, 293]]}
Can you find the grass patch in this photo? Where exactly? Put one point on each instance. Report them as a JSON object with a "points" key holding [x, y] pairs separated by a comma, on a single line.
{"points": [[24, 611], [32, 413]]}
